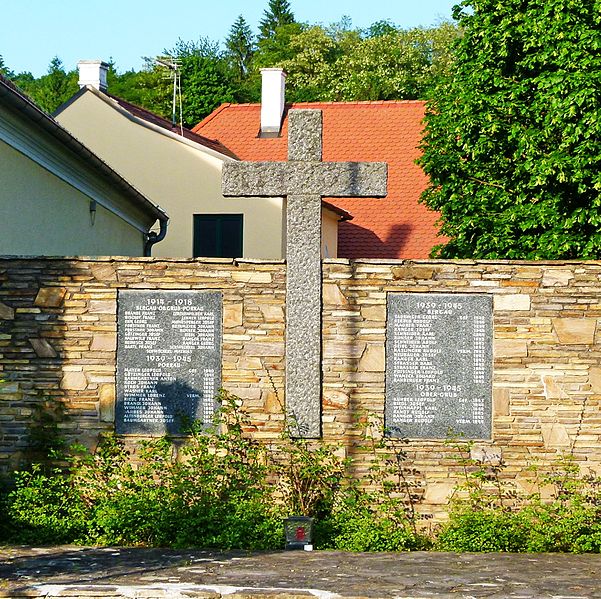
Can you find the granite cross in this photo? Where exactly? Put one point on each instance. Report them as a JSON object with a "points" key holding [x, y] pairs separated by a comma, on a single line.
{"points": [[303, 181]]}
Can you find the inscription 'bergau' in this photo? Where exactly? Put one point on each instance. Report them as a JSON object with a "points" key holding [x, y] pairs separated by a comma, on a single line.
{"points": [[439, 365], [168, 359]]}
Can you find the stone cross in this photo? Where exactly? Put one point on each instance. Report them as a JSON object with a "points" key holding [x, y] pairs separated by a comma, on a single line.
{"points": [[303, 181]]}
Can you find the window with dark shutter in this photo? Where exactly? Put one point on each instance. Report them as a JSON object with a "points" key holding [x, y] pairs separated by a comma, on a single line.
{"points": [[218, 235]]}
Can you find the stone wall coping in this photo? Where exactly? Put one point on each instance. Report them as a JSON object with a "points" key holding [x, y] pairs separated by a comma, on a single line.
{"points": [[326, 261], [461, 262], [145, 260]]}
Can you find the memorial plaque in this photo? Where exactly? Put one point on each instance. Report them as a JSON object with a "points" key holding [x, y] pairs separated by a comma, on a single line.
{"points": [[168, 359], [439, 365]]}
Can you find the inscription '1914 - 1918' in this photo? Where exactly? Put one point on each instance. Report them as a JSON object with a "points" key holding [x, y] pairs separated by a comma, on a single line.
{"points": [[168, 359], [439, 365]]}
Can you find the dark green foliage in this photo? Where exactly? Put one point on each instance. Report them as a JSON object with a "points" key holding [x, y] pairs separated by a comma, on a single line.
{"points": [[45, 436], [240, 47], [274, 50], [215, 493], [310, 477], [150, 88], [224, 490], [52, 89], [277, 14], [205, 86], [206, 80], [4, 70], [380, 28], [484, 530], [512, 139]]}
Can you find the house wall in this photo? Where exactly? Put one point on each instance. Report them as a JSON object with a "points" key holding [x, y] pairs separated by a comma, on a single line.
{"points": [[329, 233], [42, 214], [58, 339], [181, 179]]}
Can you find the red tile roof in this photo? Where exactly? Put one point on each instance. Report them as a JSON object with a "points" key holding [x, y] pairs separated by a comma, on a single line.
{"points": [[155, 119], [393, 227]]}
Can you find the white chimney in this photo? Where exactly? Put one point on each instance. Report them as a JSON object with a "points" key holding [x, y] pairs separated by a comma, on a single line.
{"points": [[273, 93], [93, 73]]}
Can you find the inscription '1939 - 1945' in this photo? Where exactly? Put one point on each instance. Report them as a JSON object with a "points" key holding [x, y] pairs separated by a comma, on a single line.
{"points": [[168, 359], [439, 365]]}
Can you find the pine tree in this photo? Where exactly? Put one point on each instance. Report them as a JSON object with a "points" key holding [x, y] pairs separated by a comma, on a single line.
{"points": [[278, 13], [56, 87], [240, 47]]}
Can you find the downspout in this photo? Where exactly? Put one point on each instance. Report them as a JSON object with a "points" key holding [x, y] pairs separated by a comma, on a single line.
{"points": [[152, 237]]}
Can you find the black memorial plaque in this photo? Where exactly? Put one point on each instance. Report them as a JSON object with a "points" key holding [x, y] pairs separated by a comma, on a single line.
{"points": [[439, 365], [168, 359]]}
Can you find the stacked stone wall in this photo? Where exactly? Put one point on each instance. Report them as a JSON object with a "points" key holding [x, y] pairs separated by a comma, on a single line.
{"points": [[58, 334]]}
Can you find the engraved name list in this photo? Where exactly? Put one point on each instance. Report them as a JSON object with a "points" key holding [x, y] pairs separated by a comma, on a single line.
{"points": [[168, 359], [439, 365]]}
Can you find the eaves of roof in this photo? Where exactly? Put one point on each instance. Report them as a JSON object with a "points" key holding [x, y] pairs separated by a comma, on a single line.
{"points": [[157, 123], [13, 97]]}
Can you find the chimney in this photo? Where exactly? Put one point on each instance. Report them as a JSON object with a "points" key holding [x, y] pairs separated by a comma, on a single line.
{"points": [[93, 73], [273, 92]]}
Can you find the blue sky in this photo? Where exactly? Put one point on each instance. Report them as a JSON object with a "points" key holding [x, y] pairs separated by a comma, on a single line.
{"points": [[33, 31]]}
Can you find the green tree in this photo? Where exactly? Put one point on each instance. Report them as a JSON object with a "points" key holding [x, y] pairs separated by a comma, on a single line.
{"points": [[277, 13], [273, 51], [512, 143], [205, 78], [54, 88], [341, 64], [379, 28], [240, 47], [4, 70], [314, 51], [205, 86]]}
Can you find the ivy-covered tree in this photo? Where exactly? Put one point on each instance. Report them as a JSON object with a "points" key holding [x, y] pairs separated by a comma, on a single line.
{"points": [[277, 14], [512, 142], [240, 47]]}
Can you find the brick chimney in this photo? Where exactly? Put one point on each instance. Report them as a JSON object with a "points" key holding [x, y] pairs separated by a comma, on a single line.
{"points": [[93, 73], [273, 93]]}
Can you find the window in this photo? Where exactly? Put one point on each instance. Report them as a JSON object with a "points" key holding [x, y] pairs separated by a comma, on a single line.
{"points": [[218, 235]]}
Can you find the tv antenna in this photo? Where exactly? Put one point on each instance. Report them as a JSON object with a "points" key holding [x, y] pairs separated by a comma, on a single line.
{"points": [[173, 66]]}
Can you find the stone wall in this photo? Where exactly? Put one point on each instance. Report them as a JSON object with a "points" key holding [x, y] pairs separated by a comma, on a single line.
{"points": [[58, 340]]}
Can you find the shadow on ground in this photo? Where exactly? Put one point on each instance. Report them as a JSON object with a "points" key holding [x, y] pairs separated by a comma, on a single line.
{"points": [[384, 575]]}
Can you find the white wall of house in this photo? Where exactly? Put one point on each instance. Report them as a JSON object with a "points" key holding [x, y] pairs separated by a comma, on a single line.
{"points": [[41, 214], [182, 179]]}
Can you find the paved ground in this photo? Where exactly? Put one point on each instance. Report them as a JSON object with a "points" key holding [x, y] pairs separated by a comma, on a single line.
{"points": [[149, 573]]}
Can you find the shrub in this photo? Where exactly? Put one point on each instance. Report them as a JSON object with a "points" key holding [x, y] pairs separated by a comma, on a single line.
{"points": [[361, 522], [45, 508], [488, 514]]}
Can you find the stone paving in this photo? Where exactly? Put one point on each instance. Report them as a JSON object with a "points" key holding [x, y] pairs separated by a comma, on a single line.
{"points": [[158, 573]]}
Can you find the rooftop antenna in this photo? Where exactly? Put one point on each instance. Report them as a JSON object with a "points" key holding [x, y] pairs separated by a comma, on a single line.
{"points": [[173, 65]]}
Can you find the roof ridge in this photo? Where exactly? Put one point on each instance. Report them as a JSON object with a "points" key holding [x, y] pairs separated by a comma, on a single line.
{"points": [[157, 120], [289, 105], [359, 102]]}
